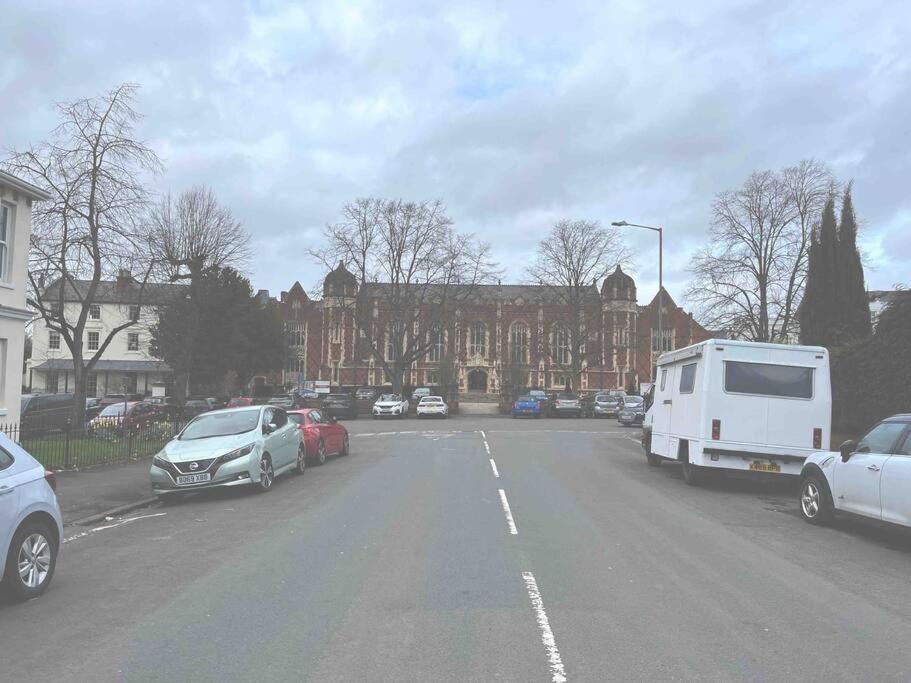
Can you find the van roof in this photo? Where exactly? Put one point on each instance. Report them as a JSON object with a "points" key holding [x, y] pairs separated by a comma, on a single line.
{"points": [[696, 349]]}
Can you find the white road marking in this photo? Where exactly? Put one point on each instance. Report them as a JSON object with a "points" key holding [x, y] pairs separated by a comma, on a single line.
{"points": [[493, 466], [557, 672], [483, 435], [508, 512], [83, 534]]}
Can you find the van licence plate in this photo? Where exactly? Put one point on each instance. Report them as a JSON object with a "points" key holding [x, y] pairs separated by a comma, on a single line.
{"points": [[765, 467], [193, 478]]}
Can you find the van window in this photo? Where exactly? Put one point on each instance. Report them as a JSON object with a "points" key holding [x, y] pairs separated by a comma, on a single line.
{"points": [[765, 379], [663, 377], [687, 378]]}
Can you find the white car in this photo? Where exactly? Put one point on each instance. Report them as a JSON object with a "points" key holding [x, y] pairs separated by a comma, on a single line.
{"points": [[390, 405], [432, 406], [30, 523], [870, 477]]}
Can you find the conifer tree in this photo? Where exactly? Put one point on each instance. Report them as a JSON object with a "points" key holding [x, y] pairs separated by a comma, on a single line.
{"points": [[854, 305]]}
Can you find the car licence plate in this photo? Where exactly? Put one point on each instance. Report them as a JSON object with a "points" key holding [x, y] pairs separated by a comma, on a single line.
{"points": [[765, 467], [527, 410], [193, 478]]}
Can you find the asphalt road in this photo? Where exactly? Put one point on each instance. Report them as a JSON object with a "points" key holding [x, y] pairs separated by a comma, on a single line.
{"points": [[399, 563]]}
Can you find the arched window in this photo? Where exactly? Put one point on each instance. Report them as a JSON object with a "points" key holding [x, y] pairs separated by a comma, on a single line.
{"points": [[561, 347], [393, 349], [518, 343], [477, 341], [437, 343]]}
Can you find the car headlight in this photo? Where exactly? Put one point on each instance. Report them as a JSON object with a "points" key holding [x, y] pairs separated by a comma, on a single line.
{"points": [[158, 461], [238, 453]]}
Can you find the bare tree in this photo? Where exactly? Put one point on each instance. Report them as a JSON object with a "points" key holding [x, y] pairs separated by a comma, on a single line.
{"points": [[571, 259], [93, 228], [194, 233], [407, 257], [750, 279]]}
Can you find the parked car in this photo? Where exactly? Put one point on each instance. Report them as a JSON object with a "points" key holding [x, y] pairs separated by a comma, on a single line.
{"points": [[543, 400], [308, 394], [167, 406], [605, 405], [567, 403], [110, 399], [195, 406], [216, 403], [738, 405], [631, 410], [45, 412], [92, 408], [124, 418], [31, 526], [340, 405], [365, 394], [432, 406], [240, 402], [870, 477], [526, 406], [587, 402], [234, 447], [287, 401], [390, 405], [322, 434]]}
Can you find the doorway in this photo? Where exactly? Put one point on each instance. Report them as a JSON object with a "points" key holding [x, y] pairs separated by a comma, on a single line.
{"points": [[477, 380]]}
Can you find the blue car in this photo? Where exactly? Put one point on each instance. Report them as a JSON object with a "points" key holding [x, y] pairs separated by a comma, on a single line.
{"points": [[526, 406]]}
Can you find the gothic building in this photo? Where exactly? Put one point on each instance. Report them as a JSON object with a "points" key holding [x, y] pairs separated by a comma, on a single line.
{"points": [[497, 336]]}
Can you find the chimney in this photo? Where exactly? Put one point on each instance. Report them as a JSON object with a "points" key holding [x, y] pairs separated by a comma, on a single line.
{"points": [[124, 279]]}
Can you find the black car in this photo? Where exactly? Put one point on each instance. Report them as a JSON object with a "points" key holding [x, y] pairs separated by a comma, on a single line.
{"points": [[339, 405], [45, 412], [631, 411]]}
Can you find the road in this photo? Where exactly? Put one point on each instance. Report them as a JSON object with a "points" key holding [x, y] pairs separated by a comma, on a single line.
{"points": [[399, 562]]}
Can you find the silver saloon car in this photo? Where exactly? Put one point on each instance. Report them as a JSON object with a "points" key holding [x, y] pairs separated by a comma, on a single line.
{"points": [[234, 447]]}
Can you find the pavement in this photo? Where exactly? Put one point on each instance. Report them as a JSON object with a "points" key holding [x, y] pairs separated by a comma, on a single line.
{"points": [[90, 493], [474, 549]]}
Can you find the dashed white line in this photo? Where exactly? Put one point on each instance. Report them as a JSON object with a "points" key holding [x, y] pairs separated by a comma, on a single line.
{"points": [[557, 672], [493, 466], [83, 534], [509, 520]]}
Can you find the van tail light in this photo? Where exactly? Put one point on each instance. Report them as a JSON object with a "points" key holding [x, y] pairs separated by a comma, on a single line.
{"points": [[817, 438], [51, 478], [716, 430]]}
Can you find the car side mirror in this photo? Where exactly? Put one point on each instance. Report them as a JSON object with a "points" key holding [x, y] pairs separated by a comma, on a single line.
{"points": [[847, 449], [333, 419]]}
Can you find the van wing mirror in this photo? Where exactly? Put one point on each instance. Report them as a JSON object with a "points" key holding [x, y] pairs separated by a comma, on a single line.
{"points": [[847, 449]]}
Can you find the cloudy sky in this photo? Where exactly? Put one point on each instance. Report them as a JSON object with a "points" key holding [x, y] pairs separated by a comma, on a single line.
{"points": [[513, 113]]}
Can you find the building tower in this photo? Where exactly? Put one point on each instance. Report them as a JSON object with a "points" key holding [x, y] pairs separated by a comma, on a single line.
{"points": [[619, 314], [339, 333]]}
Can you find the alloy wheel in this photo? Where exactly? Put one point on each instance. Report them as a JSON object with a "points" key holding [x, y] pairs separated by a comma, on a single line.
{"points": [[321, 453], [809, 500], [266, 473], [34, 560], [301, 459]]}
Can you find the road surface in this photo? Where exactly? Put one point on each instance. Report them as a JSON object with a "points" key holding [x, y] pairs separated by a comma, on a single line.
{"points": [[473, 549]]}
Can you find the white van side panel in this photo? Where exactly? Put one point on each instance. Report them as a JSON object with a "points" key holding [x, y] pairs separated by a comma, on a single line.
{"points": [[661, 420], [686, 409]]}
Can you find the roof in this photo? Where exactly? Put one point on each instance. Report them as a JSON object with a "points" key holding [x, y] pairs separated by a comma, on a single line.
{"points": [[340, 275], [108, 365], [117, 292], [29, 190], [485, 293], [621, 282], [695, 349]]}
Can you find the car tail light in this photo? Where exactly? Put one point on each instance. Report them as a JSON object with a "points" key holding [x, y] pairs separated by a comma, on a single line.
{"points": [[716, 430], [51, 478], [817, 437]]}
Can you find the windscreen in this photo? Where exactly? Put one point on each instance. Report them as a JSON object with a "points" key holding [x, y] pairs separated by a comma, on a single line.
{"points": [[766, 379], [389, 397], [113, 410], [209, 425]]}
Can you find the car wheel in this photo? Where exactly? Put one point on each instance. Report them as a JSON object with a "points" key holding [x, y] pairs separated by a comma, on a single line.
{"points": [[345, 448], [321, 453], [815, 501], [301, 466], [266, 474], [692, 474], [31, 561]]}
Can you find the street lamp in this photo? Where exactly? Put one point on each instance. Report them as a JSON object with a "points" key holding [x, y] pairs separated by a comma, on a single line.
{"points": [[624, 224]]}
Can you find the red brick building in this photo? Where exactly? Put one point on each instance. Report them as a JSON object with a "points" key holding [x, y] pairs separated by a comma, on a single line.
{"points": [[498, 335]]}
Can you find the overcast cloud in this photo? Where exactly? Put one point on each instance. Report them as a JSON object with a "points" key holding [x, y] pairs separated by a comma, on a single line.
{"points": [[513, 113]]}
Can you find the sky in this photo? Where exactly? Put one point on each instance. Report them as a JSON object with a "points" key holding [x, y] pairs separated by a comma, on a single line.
{"points": [[514, 114]]}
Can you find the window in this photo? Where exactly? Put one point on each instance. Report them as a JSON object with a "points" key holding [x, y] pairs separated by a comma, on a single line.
{"points": [[93, 341], [132, 341], [477, 341], [296, 364], [5, 459], [518, 343], [561, 345], [437, 343], [433, 377], [905, 448], [667, 337], [393, 350], [296, 333], [95, 312], [663, 377], [6, 228], [129, 382], [53, 340], [52, 381], [559, 381], [687, 378], [91, 384], [134, 312], [765, 379], [882, 437], [336, 332], [315, 417]]}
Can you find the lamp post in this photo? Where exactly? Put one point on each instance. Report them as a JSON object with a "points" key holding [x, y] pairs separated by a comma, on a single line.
{"points": [[624, 224]]}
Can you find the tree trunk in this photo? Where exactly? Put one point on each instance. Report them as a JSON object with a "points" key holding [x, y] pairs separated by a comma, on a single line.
{"points": [[79, 375]]}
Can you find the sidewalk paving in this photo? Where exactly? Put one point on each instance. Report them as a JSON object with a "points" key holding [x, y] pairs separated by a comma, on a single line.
{"points": [[96, 490]]}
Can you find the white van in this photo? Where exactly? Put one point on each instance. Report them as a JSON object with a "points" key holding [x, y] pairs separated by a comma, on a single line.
{"points": [[739, 405]]}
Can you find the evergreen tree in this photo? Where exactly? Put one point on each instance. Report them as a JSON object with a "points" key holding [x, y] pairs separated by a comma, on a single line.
{"points": [[854, 304], [820, 319]]}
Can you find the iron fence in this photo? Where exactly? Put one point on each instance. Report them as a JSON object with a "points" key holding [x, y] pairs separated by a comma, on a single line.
{"points": [[100, 441]]}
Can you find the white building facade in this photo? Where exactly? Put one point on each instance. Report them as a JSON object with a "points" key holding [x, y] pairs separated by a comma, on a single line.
{"points": [[126, 365], [16, 198]]}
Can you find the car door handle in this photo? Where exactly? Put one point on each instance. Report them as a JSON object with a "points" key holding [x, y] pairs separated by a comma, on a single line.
{"points": [[667, 401], [873, 468]]}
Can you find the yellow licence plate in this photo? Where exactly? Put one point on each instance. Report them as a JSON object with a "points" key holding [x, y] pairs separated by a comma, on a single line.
{"points": [[765, 467]]}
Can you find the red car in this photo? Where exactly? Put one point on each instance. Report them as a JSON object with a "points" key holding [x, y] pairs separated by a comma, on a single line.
{"points": [[240, 402], [323, 436]]}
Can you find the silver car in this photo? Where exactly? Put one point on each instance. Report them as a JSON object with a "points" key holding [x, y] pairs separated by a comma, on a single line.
{"points": [[247, 446]]}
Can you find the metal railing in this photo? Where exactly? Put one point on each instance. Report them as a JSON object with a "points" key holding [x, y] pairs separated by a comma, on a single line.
{"points": [[100, 441]]}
